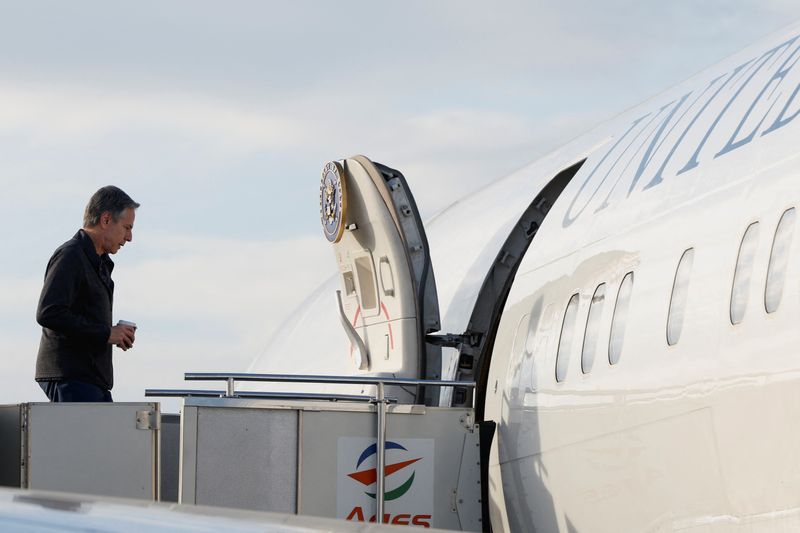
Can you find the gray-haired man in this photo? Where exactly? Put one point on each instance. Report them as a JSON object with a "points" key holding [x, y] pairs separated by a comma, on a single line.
{"points": [[75, 307]]}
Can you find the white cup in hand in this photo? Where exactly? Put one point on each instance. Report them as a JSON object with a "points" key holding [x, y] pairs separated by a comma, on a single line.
{"points": [[129, 324]]}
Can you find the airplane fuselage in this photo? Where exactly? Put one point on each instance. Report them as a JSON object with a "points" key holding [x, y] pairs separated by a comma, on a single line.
{"points": [[645, 374]]}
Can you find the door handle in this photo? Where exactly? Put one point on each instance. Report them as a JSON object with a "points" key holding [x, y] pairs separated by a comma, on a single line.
{"points": [[362, 357]]}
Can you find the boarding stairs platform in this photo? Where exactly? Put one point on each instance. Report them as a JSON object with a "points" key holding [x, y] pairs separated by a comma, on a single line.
{"points": [[354, 457]]}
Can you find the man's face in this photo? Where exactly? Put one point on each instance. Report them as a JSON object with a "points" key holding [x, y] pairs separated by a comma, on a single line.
{"points": [[116, 234]]}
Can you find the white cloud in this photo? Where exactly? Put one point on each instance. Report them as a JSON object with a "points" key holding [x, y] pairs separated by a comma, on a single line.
{"points": [[19, 294], [84, 114], [465, 129], [245, 283]]}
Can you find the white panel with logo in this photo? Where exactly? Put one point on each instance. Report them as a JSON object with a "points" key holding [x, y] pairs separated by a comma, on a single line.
{"points": [[431, 474], [409, 480]]}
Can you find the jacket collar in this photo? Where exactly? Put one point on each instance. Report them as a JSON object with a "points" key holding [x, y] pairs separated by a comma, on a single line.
{"points": [[88, 248]]}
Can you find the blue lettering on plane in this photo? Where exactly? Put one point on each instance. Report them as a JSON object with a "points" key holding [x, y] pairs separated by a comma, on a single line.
{"points": [[647, 142]]}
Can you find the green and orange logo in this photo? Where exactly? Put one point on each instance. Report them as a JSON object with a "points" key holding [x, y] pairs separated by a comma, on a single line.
{"points": [[369, 476]]}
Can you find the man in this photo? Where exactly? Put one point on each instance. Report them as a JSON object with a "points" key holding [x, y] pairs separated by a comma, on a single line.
{"points": [[74, 361]]}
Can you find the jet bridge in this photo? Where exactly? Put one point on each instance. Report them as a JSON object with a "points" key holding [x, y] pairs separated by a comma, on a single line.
{"points": [[357, 458]]}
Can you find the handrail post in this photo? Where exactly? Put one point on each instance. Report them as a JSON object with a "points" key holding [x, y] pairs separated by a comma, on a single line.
{"points": [[381, 408], [231, 392]]}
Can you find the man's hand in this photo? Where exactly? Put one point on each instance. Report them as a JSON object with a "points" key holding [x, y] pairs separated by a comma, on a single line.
{"points": [[122, 336]]}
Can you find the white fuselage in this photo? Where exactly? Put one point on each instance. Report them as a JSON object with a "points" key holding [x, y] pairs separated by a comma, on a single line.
{"points": [[695, 429]]}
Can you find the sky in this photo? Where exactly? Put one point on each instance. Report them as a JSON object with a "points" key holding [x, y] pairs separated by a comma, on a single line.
{"points": [[219, 116]]}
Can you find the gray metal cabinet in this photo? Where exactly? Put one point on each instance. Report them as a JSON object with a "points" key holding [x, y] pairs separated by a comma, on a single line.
{"points": [[109, 449]]}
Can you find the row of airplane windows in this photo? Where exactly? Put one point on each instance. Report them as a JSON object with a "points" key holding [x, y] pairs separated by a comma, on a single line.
{"points": [[740, 293]]}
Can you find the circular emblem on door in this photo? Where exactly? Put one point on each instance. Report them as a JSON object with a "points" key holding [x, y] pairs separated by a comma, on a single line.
{"points": [[333, 201]]}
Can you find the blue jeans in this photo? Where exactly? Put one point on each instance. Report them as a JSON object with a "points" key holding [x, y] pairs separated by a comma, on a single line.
{"points": [[72, 390]]}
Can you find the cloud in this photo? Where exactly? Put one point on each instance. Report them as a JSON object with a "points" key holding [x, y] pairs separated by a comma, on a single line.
{"points": [[70, 114], [19, 359], [220, 287], [79, 114]]}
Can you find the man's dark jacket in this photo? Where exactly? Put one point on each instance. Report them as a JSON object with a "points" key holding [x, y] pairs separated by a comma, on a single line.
{"points": [[75, 315]]}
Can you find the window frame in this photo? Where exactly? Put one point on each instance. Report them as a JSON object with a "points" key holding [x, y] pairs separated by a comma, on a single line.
{"points": [[563, 352], [594, 318], [743, 291], [624, 312], [679, 295], [786, 248]]}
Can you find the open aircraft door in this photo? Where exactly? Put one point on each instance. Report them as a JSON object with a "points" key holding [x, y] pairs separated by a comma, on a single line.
{"points": [[387, 298]]}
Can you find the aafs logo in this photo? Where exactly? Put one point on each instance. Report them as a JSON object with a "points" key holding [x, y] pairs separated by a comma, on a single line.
{"points": [[408, 488], [369, 476]]}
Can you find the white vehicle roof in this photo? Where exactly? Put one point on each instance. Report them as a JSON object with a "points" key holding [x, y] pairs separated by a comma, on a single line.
{"points": [[30, 510]]}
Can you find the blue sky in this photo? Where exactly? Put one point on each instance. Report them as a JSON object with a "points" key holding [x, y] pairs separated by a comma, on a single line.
{"points": [[219, 116]]}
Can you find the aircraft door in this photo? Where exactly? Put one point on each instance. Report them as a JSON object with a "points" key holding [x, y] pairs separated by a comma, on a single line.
{"points": [[387, 302]]}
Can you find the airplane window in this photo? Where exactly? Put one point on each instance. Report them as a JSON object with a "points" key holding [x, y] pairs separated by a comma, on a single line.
{"points": [[680, 294], [620, 319], [778, 259], [743, 272], [592, 328], [565, 342]]}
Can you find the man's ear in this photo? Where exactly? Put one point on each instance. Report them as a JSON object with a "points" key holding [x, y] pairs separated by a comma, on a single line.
{"points": [[105, 218]]}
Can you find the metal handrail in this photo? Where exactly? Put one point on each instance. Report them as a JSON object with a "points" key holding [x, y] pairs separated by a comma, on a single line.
{"points": [[344, 380], [380, 402], [205, 393]]}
